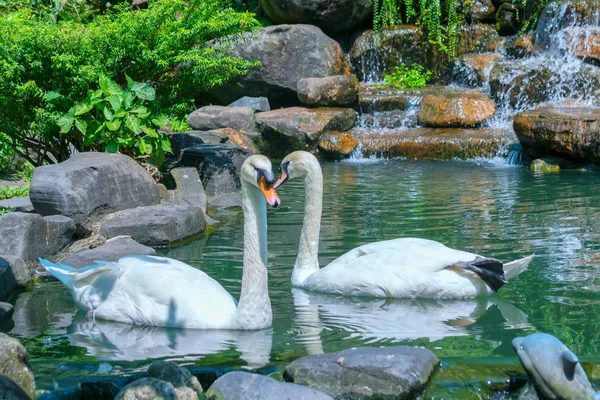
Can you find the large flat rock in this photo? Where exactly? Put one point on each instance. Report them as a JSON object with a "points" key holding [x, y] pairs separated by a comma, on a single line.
{"points": [[240, 385], [30, 236], [366, 373], [572, 133], [90, 185], [112, 250], [159, 225]]}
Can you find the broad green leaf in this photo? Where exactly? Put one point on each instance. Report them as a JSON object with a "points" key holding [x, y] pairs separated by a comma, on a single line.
{"points": [[55, 94], [100, 127], [144, 91], [122, 141], [103, 81], [132, 123], [161, 121], [97, 94], [149, 131], [165, 144], [113, 88], [112, 147], [159, 157], [108, 114], [83, 107], [115, 102], [113, 125], [81, 125], [65, 122], [130, 82], [128, 98], [139, 110], [145, 148], [90, 138], [120, 113]]}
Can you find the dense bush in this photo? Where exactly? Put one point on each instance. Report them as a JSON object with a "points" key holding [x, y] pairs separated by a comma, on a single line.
{"points": [[166, 45], [408, 76]]}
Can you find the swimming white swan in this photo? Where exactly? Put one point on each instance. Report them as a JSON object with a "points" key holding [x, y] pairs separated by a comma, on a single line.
{"points": [[159, 291], [399, 268]]}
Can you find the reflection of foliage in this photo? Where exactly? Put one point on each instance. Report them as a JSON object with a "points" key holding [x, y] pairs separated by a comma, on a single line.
{"points": [[47, 346]]}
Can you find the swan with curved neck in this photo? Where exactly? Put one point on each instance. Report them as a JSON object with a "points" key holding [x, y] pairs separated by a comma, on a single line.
{"points": [[160, 291], [399, 268]]}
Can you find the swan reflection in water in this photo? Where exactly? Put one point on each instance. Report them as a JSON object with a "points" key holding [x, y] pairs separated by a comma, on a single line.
{"points": [[395, 320], [117, 341]]}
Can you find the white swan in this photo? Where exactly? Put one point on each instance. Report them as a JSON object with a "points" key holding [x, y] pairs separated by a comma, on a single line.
{"points": [[399, 268], [159, 291]]}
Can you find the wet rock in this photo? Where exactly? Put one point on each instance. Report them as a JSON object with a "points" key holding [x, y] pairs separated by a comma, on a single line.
{"points": [[90, 185], [430, 143], [561, 14], [541, 165], [582, 42], [520, 47], [484, 9], [474, 38], [507, 19], [553, 369], [331, 16], [374, 54], [9, 390], [13, 274], [114, 249], [288, 53], [365, 373], [176, 375], [180, 141], [6, 311], [147, 389], [30, 236], [216, 117], [21, 204], [257, 104], [340, 90], [336, 145], [219, 166], [189, 187], [379, 98], [14, 364], [298, 128], [460, 109], [495, 43], [240, 385], [474, 69], [158, 225], [572, 133], [226, 200], [238, 138]]}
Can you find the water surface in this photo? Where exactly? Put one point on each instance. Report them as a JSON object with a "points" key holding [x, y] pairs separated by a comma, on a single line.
{"points": [[488, 208]]}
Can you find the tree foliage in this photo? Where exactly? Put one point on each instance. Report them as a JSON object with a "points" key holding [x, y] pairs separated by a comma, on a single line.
{"points": [[167, 45]]}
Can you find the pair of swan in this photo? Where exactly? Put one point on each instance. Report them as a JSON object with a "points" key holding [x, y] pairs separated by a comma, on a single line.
{"points": [[159, 291]]}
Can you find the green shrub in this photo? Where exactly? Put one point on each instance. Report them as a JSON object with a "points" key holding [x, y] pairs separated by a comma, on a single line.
{"points": [[8, 192], [113, 119], [6, 210], [167, 45], [408, 76]]}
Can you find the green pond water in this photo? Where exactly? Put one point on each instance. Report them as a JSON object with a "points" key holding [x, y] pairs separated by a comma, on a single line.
{"points": [[484, 207]]}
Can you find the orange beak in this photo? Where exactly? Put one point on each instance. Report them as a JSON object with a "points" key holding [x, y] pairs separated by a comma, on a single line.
{"points": [[269, 192], [282, 178]]}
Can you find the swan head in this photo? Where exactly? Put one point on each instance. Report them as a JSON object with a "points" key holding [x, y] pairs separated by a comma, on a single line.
{"points": [[296, 165], [258, 172]]}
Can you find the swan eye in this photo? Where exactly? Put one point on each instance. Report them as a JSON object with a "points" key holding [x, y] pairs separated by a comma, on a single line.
{"points": [[284, 167]]}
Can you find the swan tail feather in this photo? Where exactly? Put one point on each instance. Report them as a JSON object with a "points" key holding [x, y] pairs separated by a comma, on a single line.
{"points": [[514, 268], [488, 269], [62, 272]]}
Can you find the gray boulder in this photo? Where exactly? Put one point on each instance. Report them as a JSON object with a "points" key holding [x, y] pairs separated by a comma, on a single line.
{"points": [[14, 364], [240, 385], [13, 274], [90, 185], [189, 187], [287, 54], [257, 104], [180, 141], [340, 90], [179, 377], [366, 373], [6, 311], [216, 117], [331, 16], [30, 236], [21, 204], [147, 389], [9, 390], [159, 225], [114, 249]]}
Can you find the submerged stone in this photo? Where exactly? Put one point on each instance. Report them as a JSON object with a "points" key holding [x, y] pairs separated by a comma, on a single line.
{"points": [[248, 386], [176, 375], [147, 389], [540, 165], [366, 373]]}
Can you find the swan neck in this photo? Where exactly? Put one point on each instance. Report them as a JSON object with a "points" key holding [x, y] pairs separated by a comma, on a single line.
{"points": [[307, 261], [254, 307]]}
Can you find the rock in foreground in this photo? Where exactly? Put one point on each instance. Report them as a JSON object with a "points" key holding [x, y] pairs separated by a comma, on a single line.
{"points": [[572, 133], [366, 373], [247, 386], [90, 185], [14, 364], [159, 225], [147, 389], [287, 53], [176, 375]]}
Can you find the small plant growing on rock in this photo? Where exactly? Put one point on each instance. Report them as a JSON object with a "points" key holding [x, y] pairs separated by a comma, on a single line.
{"points": [[114, 119], [8, 192], [408, 76]]}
